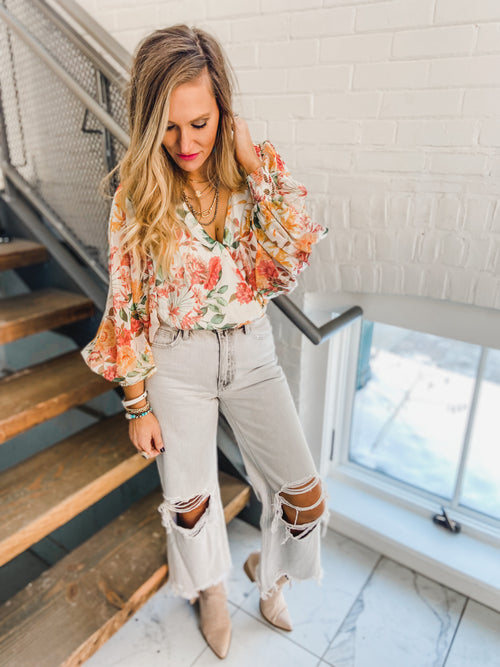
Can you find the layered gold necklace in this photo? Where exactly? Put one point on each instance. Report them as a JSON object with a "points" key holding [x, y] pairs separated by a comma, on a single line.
{"points": [[211, 210]]}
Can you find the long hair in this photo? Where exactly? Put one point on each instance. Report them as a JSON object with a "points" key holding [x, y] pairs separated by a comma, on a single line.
{"points": [[151, 181]]}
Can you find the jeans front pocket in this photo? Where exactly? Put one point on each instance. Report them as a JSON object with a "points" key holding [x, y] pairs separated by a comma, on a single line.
{"points": [[167, 337], [260, 328]]}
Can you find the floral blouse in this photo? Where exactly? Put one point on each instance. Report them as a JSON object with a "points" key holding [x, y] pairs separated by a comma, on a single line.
{"points": [[266, 244]]}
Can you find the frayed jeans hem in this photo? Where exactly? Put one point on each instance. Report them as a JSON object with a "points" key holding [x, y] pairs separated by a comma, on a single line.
{"points": [[193, 594]]}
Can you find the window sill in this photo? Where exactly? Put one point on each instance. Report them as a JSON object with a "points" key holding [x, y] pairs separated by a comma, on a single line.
{"points": [[461, 561]]}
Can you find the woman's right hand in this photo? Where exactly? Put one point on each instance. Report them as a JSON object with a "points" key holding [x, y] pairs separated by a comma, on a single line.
{"points": [[145, 434]]}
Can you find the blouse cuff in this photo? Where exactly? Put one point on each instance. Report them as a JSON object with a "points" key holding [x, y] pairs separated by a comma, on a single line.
{"points": [[261, 184]]}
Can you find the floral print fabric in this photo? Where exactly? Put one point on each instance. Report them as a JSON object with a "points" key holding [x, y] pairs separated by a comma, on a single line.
{"points": [[267, 241]]}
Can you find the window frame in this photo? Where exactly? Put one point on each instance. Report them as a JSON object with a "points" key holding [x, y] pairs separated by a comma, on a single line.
{"points": [[420, 498], [328, 391]]}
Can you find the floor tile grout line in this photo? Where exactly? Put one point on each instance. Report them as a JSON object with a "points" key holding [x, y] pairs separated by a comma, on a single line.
{"points": [[245, 598], [365, 584], [268, 626], [455, 633], [204, 649]]}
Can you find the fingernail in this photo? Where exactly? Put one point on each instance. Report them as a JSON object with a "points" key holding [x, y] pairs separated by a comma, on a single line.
{"points": [[162, 450]]}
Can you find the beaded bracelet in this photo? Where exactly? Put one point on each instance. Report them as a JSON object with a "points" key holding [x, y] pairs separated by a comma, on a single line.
{"points": [[142, 414], [136, 411]]}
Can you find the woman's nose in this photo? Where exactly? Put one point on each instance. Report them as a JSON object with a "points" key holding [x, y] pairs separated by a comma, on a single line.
{"points": [[186, 142]]}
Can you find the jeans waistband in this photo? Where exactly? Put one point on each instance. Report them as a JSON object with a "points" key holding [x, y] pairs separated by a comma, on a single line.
{"points": [[227, 330], [187, 332]]}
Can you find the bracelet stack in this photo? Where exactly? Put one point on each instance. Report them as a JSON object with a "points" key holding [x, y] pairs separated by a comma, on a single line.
{"points": [[136, 413], [129, 415]]}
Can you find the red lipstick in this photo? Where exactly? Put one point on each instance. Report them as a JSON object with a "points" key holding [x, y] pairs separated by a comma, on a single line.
{"points": [[188, 157]]}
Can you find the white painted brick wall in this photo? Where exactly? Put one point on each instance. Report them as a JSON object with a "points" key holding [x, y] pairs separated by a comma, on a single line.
{"points": [[391, 75], [421, 103], [319, 78], [445, 133], [465, 72], [318, 22], [347, 105], [273, 27], [490, 133], [431, 42], [288, 54], [394, 15], [388, 111], [356, 48], [488, 37], [465, 11]]}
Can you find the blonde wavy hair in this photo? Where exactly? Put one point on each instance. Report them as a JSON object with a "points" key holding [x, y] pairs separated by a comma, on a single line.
{"points": [[151, 181]]}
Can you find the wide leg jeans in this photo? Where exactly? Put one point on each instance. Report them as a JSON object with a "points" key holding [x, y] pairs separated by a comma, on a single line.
{"points": [[236, 371]]}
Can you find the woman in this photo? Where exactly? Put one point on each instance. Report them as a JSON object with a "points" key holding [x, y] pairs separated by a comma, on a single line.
{"points": [[205, 228]]}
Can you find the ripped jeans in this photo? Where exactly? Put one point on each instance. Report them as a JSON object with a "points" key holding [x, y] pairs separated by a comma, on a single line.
{"points": [[200, 372]]}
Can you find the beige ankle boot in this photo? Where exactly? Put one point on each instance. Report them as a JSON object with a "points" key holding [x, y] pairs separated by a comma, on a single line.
{"points": [[274, 607], [215, 621]]}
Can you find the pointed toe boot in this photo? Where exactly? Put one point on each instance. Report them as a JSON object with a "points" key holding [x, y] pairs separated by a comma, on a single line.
{"points": [[215, 621], [273, 608]]}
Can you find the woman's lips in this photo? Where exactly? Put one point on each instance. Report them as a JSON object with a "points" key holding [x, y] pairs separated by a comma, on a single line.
{"points": [[188, 157]]}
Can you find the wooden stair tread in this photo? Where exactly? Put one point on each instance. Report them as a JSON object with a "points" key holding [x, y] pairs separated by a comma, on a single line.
{"points": [[66, 614], [36, 394], [27, 314], [50, 488], [21, 252]]}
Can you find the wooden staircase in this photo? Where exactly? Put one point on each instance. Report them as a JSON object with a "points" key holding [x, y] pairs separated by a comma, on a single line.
{"points": [[69, 611]]}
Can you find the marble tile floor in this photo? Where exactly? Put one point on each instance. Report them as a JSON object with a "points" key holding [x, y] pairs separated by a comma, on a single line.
{"points": [[369, 611]]}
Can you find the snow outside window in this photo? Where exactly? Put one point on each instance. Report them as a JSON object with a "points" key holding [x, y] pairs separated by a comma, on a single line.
{"points": [[426, 412]]}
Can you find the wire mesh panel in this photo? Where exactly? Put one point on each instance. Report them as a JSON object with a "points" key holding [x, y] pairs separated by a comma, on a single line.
{"points": [[59, 147]]}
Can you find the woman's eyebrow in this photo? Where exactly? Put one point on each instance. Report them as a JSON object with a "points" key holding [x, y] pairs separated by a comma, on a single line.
{"points": [[203, 117]]}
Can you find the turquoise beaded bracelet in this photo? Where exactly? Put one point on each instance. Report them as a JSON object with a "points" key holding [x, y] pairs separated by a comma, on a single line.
{"points": [[128, 415]]}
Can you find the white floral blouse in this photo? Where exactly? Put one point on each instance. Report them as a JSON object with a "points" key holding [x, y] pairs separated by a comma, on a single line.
{"points": [[267, 242]]}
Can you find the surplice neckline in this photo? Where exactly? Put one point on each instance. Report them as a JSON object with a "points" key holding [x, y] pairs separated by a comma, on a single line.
{"points": [[199, 231]]}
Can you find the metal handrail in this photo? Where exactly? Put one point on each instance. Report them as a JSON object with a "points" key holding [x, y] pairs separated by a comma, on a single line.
{"points": [[44, 235], [316, 335], [97, 32], [82, 44], [86, 99], [55, 222]]}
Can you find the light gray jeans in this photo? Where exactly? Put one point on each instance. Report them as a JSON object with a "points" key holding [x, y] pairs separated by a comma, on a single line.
{"points": [[236, 371]]}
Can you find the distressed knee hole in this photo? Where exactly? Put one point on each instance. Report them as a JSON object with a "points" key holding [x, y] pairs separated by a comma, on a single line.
{"points": [[190, 512], [300, 506], [188, 516]]}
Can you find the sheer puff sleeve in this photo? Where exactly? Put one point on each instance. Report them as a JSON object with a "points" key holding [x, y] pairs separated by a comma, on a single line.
{"points": [[284, 231], [120, 350]]}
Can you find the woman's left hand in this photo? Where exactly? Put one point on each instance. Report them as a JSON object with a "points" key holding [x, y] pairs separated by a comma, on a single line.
{"points": [[243, 146]]}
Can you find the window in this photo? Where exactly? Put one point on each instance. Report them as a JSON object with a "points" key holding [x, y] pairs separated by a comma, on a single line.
{"points": [[426, 413], [481, 487]]}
